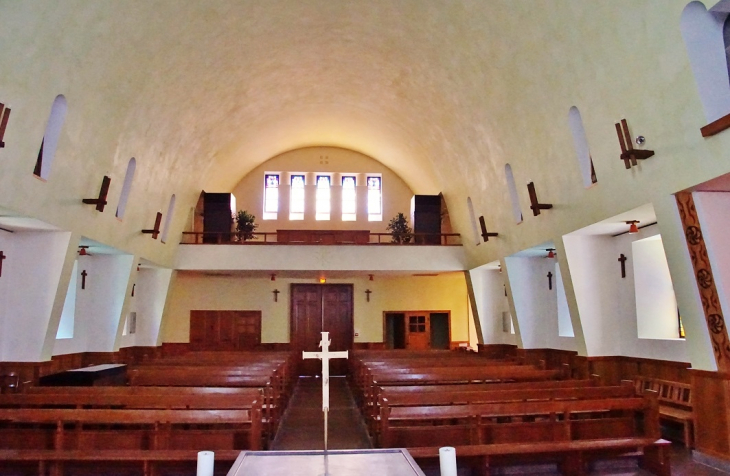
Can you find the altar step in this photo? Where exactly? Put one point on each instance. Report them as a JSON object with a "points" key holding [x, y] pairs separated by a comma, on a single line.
{"points": [[302, 426]]}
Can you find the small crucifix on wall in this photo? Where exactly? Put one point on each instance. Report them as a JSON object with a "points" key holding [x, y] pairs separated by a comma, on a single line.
{"points": [[623, 259], [550, 280], [2, 257], [367, 292], [84, 274], [276, 295], [133, 286]]}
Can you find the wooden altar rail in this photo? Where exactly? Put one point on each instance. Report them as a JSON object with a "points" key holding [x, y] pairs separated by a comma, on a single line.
{"points": [[272, 238]]}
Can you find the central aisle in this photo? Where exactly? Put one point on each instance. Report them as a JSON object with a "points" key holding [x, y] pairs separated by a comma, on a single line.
{"points": [[302, 425]]}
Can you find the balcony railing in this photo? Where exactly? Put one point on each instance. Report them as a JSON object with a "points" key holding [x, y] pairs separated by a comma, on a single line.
{"points": [[322, 237]]}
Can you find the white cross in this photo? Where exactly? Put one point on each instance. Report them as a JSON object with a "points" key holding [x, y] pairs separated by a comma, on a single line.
{"points": [[325, 356]]}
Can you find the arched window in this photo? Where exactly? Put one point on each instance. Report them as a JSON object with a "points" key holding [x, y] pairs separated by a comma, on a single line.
{"points": [[50, 138], [126, 188], [703, 37], [580, 141], [168, 219], [473, 220], [514, 198]]}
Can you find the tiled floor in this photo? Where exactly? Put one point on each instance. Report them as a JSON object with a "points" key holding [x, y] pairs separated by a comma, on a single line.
{"points": [[302, 429]]}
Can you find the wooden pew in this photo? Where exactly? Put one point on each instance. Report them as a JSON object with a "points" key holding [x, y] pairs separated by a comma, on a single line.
{"points": [[675, 403], [88, 432], [566, 431]]}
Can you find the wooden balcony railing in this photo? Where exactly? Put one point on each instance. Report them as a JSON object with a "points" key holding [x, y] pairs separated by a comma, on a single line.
{"points": [[323, 237]]}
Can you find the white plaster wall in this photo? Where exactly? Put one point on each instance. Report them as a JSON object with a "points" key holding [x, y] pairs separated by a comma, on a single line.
{"points": [[607, 302], [491, 302], [535, 304], [32, 279], [191, 291], [309, 257], [99, 306]]}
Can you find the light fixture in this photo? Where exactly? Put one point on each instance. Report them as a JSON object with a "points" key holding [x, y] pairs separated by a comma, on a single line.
{"points": [[370, 277], [632, 226], [322, 280], [82, 251], [551, 252], [273, 276]]}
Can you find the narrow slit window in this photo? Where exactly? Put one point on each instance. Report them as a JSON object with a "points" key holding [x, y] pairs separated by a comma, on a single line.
{"points": [[271, 197], [126, 188], [349, 198], [375, 199], [580, 142], [50, 138], [168, 219], [66, 324], [296, 203], [473, 219], [324, 183], [514, 198]]}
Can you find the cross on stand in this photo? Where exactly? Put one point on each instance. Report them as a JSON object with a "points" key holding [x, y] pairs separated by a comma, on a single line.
{"points": [[623, 259], [2, 257], [325, 356]]}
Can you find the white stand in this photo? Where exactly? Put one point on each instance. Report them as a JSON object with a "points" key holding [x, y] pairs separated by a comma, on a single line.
{"points": [[325, 356]]}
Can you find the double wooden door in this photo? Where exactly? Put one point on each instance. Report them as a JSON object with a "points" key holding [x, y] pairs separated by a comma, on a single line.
{"points": [[317, 308]]}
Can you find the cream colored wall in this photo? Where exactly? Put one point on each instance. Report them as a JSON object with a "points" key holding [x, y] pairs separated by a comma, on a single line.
{"points": [[190, 291], [311, 161]]}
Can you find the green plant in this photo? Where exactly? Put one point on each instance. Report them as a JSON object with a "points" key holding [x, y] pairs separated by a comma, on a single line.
{"points": [[245, 225], [399, 229]]}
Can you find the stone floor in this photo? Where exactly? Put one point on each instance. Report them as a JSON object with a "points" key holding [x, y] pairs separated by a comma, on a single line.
{"points": [[302, 429]]}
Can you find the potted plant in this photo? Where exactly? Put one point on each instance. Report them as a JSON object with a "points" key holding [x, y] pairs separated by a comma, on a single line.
{"points": [[245, 225], [399, 229]]}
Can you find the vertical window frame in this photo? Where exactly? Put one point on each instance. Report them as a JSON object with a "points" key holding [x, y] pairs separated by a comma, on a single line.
{"points": [[271, 196], [375, 197], [349, 198], [297, 203]]}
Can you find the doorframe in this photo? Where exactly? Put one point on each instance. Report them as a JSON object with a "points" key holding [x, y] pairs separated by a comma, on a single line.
{"points": [[428, 312]]}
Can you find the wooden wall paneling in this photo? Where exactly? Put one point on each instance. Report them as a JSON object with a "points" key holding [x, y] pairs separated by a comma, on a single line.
{"points": [[711, 393]]}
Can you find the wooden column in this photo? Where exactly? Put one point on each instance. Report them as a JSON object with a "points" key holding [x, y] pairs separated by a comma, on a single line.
{"points": [[705, 281]]}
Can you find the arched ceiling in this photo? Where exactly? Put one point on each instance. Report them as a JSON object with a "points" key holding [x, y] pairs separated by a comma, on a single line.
{"points": [[225, 85]]}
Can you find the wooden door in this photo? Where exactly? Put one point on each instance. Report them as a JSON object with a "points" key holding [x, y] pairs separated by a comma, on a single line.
{"points": [[225, 330], [418, 331], [316, 308]]}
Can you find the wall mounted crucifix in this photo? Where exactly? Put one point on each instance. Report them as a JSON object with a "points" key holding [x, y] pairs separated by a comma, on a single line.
{"points": [[550, 280], [628, 154], [485, 234], [2, 257], [623, 259], [367, 291], [84, 274], [535, 205], [100, 201], [156, 230], [5, 111], [276, 295], [133, 286]]}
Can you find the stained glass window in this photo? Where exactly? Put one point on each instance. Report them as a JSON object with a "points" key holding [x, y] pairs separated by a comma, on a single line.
{"points": [[375, 199], [323, 197], [349, 198], [271, 196], [296, 202]]}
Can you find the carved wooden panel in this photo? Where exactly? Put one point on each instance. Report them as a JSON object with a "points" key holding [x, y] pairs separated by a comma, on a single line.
{"points": [[705, 281]]}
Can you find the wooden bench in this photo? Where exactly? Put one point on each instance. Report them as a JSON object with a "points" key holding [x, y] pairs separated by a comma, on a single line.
{"points": [[567, 431], [56, 431], [675, 403]]}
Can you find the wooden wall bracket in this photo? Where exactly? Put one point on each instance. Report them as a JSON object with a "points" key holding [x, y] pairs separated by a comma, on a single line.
{"points": [[628, 154], [535, 205], [100, 202], [156, 230], [485, 234], [4, 116]]}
